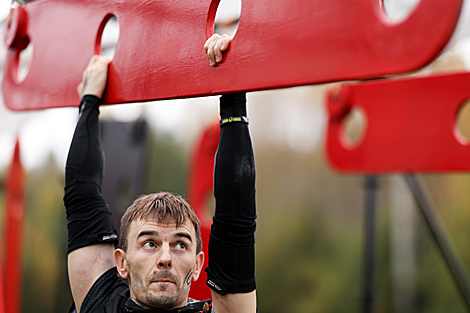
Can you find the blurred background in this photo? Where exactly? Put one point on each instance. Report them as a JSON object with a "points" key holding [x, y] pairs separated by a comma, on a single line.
{"points": [[310, 218]]}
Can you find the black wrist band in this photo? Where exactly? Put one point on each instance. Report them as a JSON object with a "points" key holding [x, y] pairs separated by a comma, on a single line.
{"points": [[233, 119]]}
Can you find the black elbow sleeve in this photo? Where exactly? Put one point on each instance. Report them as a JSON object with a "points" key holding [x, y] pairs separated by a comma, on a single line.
{"points": [[89, 219], [231, 258]]}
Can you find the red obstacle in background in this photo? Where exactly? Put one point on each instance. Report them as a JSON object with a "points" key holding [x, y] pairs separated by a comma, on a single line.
{"points": [[200, 187], [15, 211], [160, 51], [2, 289], [410, 125]]}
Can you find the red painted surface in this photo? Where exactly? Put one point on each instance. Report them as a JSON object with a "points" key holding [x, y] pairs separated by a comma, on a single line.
{"points": [[410, 125], [200, 188], [15, 204], [160, 51], [2, 288]]}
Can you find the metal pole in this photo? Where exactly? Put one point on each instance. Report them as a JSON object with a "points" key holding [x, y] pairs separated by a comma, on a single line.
{"points": [[370, 209], [439, 232]]}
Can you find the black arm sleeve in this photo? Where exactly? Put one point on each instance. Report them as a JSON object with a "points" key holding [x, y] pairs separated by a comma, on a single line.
{"points": [[88, 216], [231, 244]]}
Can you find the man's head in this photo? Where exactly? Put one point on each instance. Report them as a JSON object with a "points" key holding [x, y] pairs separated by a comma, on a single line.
{"points": [[160, 250], [164, 207]]}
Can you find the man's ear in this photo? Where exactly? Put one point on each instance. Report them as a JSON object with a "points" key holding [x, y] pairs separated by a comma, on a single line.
{"points": [[199, 265], [121, 262]]}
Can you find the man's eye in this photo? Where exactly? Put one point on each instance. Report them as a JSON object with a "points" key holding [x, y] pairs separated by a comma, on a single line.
{"points": [[149, 245], [181, 246]]}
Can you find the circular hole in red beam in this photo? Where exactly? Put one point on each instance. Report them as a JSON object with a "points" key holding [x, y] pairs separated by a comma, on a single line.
{"points": [[225, 14], [399, 10], [108, 36], [462, 125], [25, 56], [354, 127]]}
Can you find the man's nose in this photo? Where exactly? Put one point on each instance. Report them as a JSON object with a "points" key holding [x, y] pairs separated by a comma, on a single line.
{"points": [[164, 260]]}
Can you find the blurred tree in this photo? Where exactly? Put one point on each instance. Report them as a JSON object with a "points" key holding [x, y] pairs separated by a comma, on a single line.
{"points": [[45, 289]]}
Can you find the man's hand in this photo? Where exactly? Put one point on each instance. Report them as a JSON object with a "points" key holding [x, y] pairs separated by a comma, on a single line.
{"points": [[215, 46], [94, 77]]}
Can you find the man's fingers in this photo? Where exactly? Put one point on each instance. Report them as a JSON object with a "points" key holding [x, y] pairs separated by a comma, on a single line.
{"points": [[79, 89], [226, 39], [224, 45], [93, 60], [210, 50], [97, 62], [206, 45], [215, 46], [218, 49], [94, 77], [104, 60]]}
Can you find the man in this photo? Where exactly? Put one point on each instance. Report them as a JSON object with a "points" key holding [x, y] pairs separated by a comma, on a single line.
{"points": [[160, 247]]}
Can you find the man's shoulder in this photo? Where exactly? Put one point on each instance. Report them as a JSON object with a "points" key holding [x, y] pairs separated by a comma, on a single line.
{"points": [[108, 294]]}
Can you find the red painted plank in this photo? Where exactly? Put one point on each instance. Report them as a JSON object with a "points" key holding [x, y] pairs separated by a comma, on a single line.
{"points": [[410, 125], [160, 50]]}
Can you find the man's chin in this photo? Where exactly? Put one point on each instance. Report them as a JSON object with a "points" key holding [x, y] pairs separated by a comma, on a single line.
{"points": [[167, 299]]}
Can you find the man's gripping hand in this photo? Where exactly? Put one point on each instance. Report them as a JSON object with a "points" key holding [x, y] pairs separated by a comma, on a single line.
{"points": [[94, 77], [215, 46]]}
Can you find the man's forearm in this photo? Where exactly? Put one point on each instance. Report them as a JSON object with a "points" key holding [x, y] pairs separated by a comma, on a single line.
{"points": [[88, 215], [231, 243]]}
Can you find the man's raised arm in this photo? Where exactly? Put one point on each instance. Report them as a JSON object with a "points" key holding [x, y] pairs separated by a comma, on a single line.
{"points": [[91, 235], [231, 270]]}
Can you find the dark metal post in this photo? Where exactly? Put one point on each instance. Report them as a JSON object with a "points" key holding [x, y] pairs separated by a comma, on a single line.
{"points": [[438, 230], [369, 264], [125, 146]]}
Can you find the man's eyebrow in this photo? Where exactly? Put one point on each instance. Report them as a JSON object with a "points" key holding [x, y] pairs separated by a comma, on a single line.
{"points": [[184, 235], [150, 233], [153, 233]]}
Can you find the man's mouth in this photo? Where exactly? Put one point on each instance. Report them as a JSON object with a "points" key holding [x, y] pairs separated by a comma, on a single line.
{"points": [[164, 277], [163, 281]]}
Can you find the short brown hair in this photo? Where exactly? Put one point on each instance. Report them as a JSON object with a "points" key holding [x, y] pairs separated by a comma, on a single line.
{"points": [[163, 207]]}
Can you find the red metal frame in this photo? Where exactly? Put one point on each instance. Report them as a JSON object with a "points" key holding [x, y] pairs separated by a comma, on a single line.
{"points": [[410, 125], [2, 289], [15, 204], [160, 51], [200, 187]]}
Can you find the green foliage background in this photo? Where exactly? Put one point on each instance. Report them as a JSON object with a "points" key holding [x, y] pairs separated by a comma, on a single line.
{"points": [[309, 238]]}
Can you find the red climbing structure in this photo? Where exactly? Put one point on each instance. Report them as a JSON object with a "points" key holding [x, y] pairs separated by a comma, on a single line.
{"points": [[15, 213], [200, 189], [410, 125], [160, 52]]}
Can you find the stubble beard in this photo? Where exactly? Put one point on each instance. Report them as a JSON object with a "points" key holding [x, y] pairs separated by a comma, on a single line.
{"points": [[148, 298]]}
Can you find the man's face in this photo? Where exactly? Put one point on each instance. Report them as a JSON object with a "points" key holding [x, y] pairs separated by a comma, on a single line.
{"points": [[160, 262]]}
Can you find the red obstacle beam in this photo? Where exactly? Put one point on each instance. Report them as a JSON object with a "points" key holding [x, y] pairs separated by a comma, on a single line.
{"points": [[200, 186], [160, 50], [15, 203], [410, 125]]}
